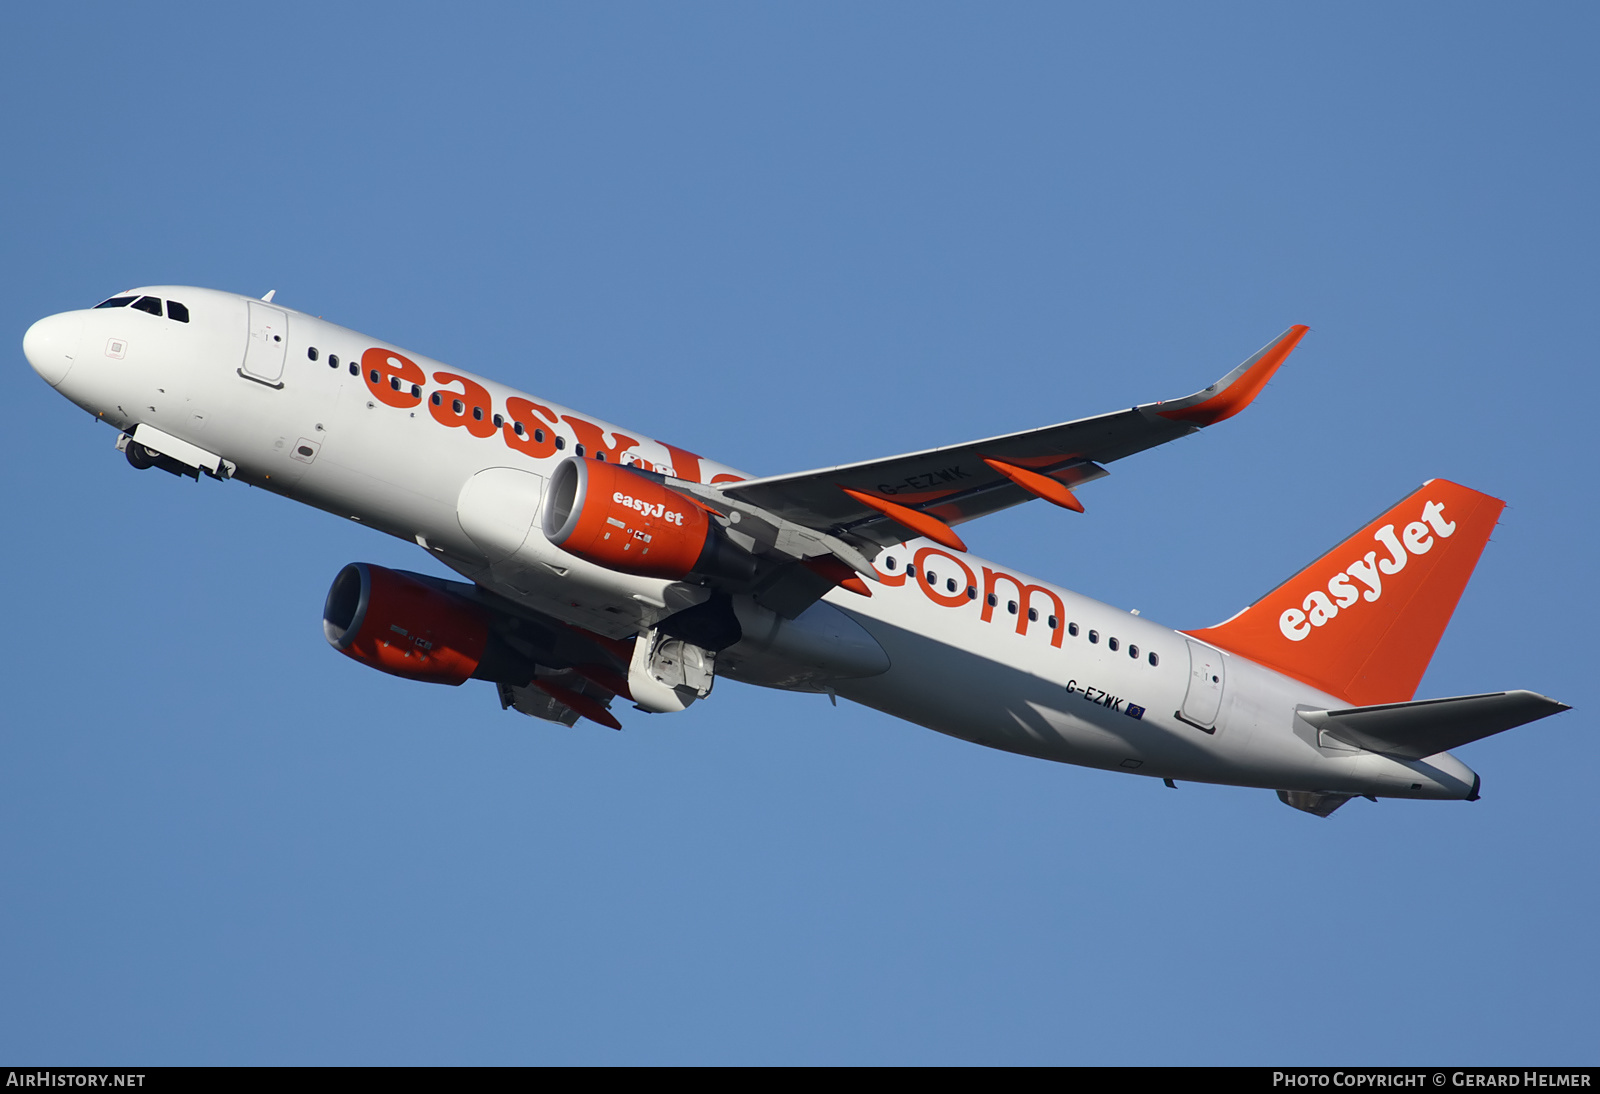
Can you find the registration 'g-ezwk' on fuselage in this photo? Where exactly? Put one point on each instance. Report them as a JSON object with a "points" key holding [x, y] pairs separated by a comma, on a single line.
{"points": [[603, 563]]}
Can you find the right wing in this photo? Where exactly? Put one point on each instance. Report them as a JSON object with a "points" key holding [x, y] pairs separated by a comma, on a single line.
{"points": [[813, 528], [958, 483]]}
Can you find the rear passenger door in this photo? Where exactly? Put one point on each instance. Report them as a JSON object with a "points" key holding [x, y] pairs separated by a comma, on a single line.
{"points": [[1206, 680]]}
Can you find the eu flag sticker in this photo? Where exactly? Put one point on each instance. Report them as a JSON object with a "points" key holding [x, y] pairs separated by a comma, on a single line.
{"points": [[1134, 710]]}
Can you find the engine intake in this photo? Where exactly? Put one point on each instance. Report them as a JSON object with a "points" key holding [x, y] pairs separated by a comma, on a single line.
{"points": [[620, 519], [397, 623]]}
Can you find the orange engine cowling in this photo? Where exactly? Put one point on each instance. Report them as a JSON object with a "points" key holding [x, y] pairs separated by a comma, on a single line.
{"points": [[396, 623], [627, 521]]}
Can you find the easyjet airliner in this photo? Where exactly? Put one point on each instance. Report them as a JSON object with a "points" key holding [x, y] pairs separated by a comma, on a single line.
{"points": [[602, 563]]}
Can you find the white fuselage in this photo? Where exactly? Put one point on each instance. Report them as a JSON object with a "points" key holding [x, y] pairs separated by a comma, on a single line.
{"points": [[1137, 697]]}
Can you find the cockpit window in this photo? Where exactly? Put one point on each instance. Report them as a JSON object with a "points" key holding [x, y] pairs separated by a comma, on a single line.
{"points": [[117, 302], [177, 311], [150, 304]]}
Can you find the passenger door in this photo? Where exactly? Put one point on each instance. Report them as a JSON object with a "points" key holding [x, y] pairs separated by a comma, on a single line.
{"points": [[1206, 680], [268, 346]]}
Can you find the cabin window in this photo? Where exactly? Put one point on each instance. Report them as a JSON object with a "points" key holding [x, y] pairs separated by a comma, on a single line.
{"points": [[1033, 615], [972, 592], [117, 302], [577, 449], [311, 352], [437, 400], [1133, 652], [516, 427], [538, 436], [456, 405], [889, 564], [1094, 636], [394, 382], [1052, 622], [355, 369], [416, 391], [950, 585], [477, 413], [333, 360], [1112, 642], [933, 578], [1072, 629], [992, 600], [601, 456], [372, 376], [1154, 660], [561, 442], [1011, 606], [178, 312], [499, 421], [149, 304]]}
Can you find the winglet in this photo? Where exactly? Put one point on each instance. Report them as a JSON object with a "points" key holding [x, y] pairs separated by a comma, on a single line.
{"points": [[1238, 389]]}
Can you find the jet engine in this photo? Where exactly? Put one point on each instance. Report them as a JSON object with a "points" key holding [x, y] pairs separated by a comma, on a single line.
{"points": [[628, 521], [396, 622]]}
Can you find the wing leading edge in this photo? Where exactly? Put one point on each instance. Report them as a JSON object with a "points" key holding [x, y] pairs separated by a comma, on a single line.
{"points": [[958, 483]]}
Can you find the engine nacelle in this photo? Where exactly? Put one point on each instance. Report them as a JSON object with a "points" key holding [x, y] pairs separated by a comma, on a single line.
{"points": [[392, 621], [618, 518]]}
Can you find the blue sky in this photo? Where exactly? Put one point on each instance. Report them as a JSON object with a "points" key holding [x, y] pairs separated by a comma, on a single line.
{"points": [[789, 236]]}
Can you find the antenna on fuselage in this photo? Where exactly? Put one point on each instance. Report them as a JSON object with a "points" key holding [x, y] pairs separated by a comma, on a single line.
{"points": [[268, 298]]}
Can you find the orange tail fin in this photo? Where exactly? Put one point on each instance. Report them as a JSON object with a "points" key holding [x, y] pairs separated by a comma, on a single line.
{"points": [[1363, 620]]}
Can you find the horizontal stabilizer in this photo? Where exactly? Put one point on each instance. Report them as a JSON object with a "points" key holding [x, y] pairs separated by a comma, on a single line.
{"points": [[1426, 728]]}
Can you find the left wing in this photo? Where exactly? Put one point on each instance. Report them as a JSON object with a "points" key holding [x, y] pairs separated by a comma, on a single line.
{"points": [[877, 502]]}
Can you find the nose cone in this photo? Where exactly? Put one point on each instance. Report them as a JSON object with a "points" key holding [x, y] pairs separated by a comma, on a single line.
{"points": [[50, 345]]}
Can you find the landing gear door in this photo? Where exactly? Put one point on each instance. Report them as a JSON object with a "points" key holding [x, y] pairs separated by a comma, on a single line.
{"points": [[1206, 681], [269, 344]]}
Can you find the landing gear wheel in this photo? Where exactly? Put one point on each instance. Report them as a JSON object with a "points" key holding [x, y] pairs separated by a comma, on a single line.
{"points": [[139, 456]]}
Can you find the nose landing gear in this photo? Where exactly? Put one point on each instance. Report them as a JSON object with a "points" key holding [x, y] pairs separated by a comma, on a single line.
{"points": [[144, 458], [140, 456]]}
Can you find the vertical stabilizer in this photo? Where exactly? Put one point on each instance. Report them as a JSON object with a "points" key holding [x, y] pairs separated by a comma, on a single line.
{"points": [[1363, 620]]}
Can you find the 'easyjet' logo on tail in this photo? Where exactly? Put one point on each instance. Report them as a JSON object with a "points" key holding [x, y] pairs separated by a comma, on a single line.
{"points": [[1319, 608], [1352, 623]]}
